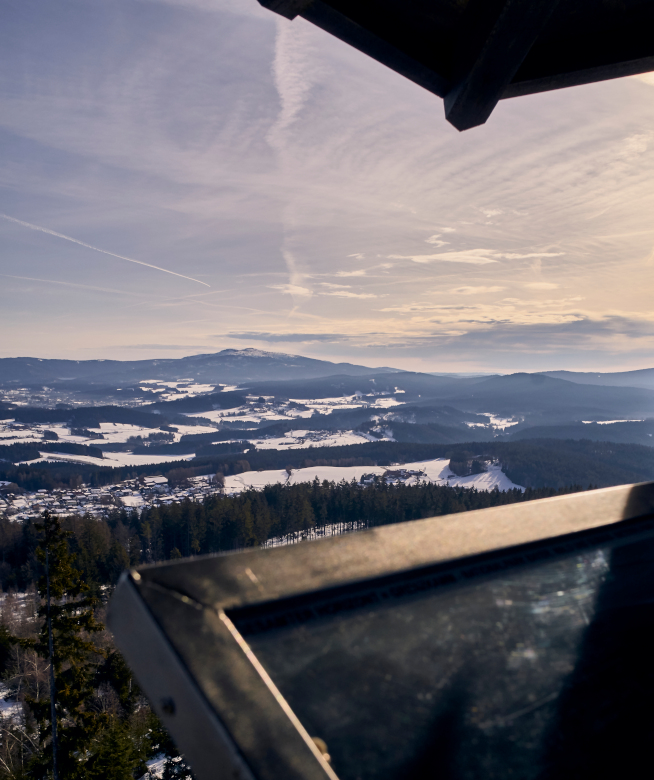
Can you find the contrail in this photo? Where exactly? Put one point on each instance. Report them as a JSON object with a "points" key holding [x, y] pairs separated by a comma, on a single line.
{"points": [[73, 284], [96, 249]]}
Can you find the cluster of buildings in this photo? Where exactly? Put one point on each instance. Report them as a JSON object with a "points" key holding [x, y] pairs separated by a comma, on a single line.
{"points": [[132, 494]]}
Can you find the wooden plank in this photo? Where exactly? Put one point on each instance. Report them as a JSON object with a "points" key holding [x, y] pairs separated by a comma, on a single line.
{"points": [[485, 74]]}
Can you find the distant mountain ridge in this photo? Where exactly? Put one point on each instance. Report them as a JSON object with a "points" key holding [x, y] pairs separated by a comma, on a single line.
{"points": [[230, 366], [643, 377]]}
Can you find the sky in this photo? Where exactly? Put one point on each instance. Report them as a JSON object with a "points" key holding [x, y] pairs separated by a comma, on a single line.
{"points": [[185, 176]]}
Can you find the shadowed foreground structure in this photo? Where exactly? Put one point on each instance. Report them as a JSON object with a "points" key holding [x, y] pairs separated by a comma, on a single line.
{"points": [[500, 643], [473, 53]]}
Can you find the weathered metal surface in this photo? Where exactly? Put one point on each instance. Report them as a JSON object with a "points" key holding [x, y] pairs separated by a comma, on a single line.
{"points": [[489, 628]]}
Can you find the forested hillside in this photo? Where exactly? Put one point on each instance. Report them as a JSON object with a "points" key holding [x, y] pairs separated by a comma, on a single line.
{"points": [[104, 548], [534, 463]]}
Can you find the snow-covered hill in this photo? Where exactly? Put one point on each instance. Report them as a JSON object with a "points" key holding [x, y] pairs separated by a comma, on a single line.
{"points": [[434, 471]]}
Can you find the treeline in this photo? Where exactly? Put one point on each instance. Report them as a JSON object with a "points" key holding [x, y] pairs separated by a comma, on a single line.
{"points": [[104, 548], [431, 433], [29, 451], [200, 451], [539, 463], [92, 416], [200, 403]]}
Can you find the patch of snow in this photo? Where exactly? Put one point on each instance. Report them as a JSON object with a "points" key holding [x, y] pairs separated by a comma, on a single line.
{"points": [[333, 473], [337, 403], [500, 422], [10, 709], [608, 422], [386, 403], [305, 439], [240, 414], [493, 478], [64, 457], [133, 501], [155, 768], [111, 459], [171, 391], [236, 483]]}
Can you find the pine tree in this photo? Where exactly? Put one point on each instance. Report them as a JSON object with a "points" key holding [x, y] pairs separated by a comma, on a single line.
{"points": [[115, 755], [67, 726]]}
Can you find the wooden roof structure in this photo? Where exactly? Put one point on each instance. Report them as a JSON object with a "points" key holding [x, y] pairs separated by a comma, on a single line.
{"points": [[473, 53]]}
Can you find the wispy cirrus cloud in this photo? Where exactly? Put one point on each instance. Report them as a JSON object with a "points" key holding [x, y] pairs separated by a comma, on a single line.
{"points": [[509, 310], [473, 256], [245, 151], [335, 290], [476, 290], [348, 294], [436, 240], [300, 338], [293, 289]]}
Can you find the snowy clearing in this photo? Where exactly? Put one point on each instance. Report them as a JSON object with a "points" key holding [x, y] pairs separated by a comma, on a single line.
{"points": [[110, 460], [171, 391], [435, 471], [356, 401], [255, 413], [499, 422], [112, 433], [240, 414], [305, 439], [608, 422]]}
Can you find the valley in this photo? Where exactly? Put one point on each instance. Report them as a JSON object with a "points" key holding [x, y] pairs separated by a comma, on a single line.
{"points": [[233, 415]]}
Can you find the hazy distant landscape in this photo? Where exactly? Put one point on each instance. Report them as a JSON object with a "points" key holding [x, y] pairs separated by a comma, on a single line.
{"points": [[249, 412], [256, 289]]}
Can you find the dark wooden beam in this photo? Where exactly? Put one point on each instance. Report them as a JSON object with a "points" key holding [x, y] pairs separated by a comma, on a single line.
{"points": [[485, 70], [576, 78], [288, 8], [323, 15]]}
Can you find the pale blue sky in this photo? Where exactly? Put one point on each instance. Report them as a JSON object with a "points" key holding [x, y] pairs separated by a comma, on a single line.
{"points": [[306, 199]]}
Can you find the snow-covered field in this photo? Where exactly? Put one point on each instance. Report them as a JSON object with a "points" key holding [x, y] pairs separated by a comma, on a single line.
{"points": [[304, 439], [608, 422], [356, 401], [171, 391], [256, 414], [434, 471], [112, 433], [15, 433], [240, 414], [111, 459], [118, 433], [499, 423]]}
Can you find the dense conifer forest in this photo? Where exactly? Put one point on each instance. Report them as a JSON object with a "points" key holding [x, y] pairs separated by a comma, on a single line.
{"points": [[537, 463], [104, 548], [106, 728]]}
